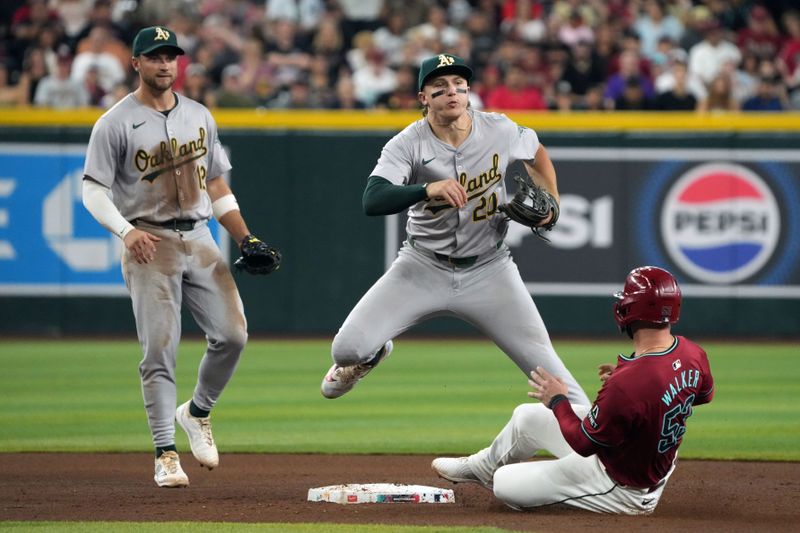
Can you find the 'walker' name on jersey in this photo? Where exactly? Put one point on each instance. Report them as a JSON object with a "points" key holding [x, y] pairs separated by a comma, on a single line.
{"points": [[688, 378], [168, 157]]}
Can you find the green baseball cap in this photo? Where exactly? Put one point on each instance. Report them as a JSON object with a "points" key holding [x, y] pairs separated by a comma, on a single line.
{"points": [[441, 65], [154, 37]]}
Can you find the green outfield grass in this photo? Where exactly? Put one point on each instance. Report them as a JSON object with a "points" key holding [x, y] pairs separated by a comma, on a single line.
{"points": [[430, 397]]}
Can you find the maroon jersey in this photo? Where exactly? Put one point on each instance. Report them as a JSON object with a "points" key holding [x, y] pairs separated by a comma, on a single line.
{"points": [[639, 417]]}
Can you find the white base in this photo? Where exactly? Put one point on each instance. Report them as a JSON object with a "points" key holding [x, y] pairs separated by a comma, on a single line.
{"points": [[380, 493]]}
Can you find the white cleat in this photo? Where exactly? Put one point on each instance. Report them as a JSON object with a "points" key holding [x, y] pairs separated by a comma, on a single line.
{"points": [[341, 379], [200, 438], [457, 470], [169, 472]]}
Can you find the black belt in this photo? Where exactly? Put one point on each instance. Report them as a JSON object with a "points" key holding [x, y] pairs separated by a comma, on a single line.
{"points": [[455, 261], [175, 224]]}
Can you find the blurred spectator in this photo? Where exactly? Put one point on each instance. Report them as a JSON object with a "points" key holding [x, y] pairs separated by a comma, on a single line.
{"points": [[761, 36], [346, 95], [359, 15], [232, 93], [526, 23], [264, 91], [769, 96], [415, 11], [678, 97], [10, 95], [583, 69], [91, 84], [633, 97], [285, 56], [720, 95], [575, 30], [58, 90], [100, 16], [26, 23], [435, 30], [789, 55], [458, 11], [593, 99], [252, 63], [119, 92], [515, 94], [707, 57], [363, 43], [678, 67], [74, 14], [744, 77], [489, 79], [49, 40], [197, 85], [296, 96], [484, 39], [404, 95], [306, 14], [34, 69], [563, 99], [109, 70], [374, 79], [390, 38], [629, 68], [328, 43], [101, 39], [653, 24], [695, 23], [320, 83]]}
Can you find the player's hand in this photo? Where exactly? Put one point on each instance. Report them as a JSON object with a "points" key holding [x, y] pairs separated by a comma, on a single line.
{"points": [[449, 191], [604, 371], [545, 385], [141, 245]]}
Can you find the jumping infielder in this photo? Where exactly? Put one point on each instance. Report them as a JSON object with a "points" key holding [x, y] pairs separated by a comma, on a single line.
{"points": [[448, 170], [618, 458], [153, 178]]}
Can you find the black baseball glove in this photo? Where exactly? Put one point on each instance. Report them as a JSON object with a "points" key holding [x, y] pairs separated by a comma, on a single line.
{"points": [[531, 206], [258, 258]]}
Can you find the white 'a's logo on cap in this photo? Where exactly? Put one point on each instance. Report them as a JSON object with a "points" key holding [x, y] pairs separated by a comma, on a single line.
{"points": [[445, 61], [161, 35]]}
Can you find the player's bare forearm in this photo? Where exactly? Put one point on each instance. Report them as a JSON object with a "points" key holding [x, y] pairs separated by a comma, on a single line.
{"points": [[543, 173], [232, 221]]}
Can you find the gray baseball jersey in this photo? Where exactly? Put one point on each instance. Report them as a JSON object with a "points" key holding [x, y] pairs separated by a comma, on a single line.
{"points": [[416, 155], [156, 166], [454, 262]]}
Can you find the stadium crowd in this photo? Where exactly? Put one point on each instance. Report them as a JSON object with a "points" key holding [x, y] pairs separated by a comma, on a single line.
{"points": [[562, 55]]}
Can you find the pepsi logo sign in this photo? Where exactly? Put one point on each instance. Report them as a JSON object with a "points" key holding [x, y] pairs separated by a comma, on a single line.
{"points": [[720, 222]]}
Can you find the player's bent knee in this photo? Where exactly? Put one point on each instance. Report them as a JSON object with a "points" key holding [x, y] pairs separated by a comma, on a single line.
{"points": [[530, 415], [349, 350]]}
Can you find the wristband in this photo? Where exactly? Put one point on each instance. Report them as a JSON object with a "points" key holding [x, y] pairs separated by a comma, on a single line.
{"points": [[221, 206], [555, 400], [425, 189]]}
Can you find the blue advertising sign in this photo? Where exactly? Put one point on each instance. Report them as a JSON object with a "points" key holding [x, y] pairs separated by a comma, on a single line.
{"points": [[49, 244]]}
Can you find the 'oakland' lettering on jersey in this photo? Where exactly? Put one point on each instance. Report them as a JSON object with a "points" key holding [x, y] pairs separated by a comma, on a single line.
{"points": [[689, 378], [483, 181], [165, 156]]}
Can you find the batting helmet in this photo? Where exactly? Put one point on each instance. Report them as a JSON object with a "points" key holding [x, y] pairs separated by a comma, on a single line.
{"points": [[650, 295]]}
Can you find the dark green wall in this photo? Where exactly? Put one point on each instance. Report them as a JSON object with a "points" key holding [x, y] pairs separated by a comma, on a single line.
{"points": [[301, 191]]}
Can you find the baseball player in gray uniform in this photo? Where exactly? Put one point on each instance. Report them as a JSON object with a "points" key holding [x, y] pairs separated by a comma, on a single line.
{"points": [[153, 177], [448, 170]]}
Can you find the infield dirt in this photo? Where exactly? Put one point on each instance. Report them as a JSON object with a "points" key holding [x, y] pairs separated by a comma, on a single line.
{"points": [[701, 495]]}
